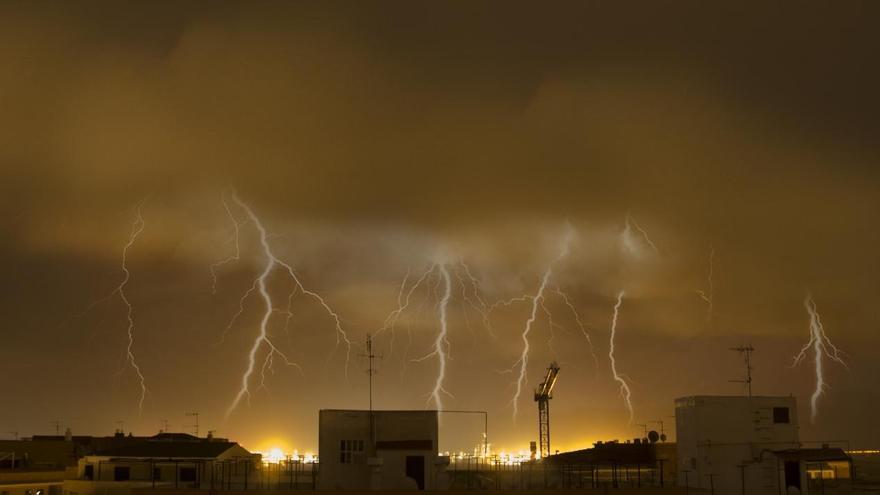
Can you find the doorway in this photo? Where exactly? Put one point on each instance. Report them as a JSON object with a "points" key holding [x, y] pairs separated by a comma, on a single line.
{"points": [[415, 469], [792, 474]]}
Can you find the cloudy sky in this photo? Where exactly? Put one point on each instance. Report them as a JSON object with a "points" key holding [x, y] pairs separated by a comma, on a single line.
{"points": [[372, 141]]}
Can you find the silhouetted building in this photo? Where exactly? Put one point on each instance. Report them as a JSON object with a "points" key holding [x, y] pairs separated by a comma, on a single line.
{"points": [[636, 462], [735, 445], [166, 461], [379, 450]]}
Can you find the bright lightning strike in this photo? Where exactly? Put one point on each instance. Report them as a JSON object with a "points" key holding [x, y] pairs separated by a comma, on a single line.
{"points": [[263, 339], [441, 342], [537, 302], [708, 295], [624, 387], [437, 282], [822, 347]]}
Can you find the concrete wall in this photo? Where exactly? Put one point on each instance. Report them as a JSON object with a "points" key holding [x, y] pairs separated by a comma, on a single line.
{"points": [[723, 440]]}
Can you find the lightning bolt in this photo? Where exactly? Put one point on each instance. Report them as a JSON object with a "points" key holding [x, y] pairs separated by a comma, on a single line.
{"points": [[236, 254], [537, 301], [404, 298], [441, 342], [137, 227], [263, 339], [708, 294], [628, 237], [580, 324], [822, 347], [624, 387], [470, 293]]}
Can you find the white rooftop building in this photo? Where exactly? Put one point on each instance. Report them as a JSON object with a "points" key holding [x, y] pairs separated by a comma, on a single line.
{"points": [[379, 450], [741, 444]]}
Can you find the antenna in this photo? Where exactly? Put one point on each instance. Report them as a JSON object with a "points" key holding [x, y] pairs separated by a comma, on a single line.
{"points": [[165, 425], [57, 425], [370, 372], [746, 351], [370, 369], [645, 428], [662, 431], [196, 425], [120, 426]]}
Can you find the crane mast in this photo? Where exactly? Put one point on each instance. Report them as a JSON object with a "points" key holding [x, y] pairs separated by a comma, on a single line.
{"points": [[543, 394]]}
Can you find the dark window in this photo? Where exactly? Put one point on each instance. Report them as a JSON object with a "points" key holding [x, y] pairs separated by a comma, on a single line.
{"points": [[89, 472], [780, 415], [188, 474], [121, 473], [351, 451]]}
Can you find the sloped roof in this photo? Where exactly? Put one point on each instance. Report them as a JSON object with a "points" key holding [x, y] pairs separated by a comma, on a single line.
{"points": [[170, 449]]}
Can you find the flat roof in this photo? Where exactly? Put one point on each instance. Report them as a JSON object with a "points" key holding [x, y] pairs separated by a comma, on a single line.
{"points": [[386, 410], [735, 397]]}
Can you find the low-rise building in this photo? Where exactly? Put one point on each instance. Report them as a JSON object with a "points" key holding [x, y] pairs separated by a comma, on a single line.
{"points": [[168, 461], [743, 444], [379, 450]]}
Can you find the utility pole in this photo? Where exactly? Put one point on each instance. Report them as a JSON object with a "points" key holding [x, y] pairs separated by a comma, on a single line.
{"points": [[195, 426], [746, 351]]}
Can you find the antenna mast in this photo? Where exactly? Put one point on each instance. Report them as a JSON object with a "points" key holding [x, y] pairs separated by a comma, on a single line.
{"points": [[746, 351], [195, 426], [370, 372]]}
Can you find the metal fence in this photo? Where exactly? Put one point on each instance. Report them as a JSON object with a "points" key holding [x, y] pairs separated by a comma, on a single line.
{"points": [[477, 475]]}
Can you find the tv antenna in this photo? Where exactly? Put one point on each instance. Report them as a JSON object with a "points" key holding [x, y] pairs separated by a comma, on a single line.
{"points": [[370, 372], [164, 423], [195, 426], [57, 425], [746, 351]]}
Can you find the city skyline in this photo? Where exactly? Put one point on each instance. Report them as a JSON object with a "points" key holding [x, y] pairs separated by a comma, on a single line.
{"points": [[208, 208]]}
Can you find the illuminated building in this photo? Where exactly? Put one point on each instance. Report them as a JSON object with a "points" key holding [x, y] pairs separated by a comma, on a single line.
{"points": [[379, 450]]}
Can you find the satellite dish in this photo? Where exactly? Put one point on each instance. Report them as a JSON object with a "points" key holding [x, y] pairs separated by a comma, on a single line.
{"points": [[663, 437], [653, 436]]}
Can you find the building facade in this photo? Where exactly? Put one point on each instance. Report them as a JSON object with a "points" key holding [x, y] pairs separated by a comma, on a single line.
{"points": [[379, 450], [735, 445]]}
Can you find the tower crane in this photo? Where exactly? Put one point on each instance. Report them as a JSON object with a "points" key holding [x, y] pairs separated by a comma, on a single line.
{"points": [[543, 394]]}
